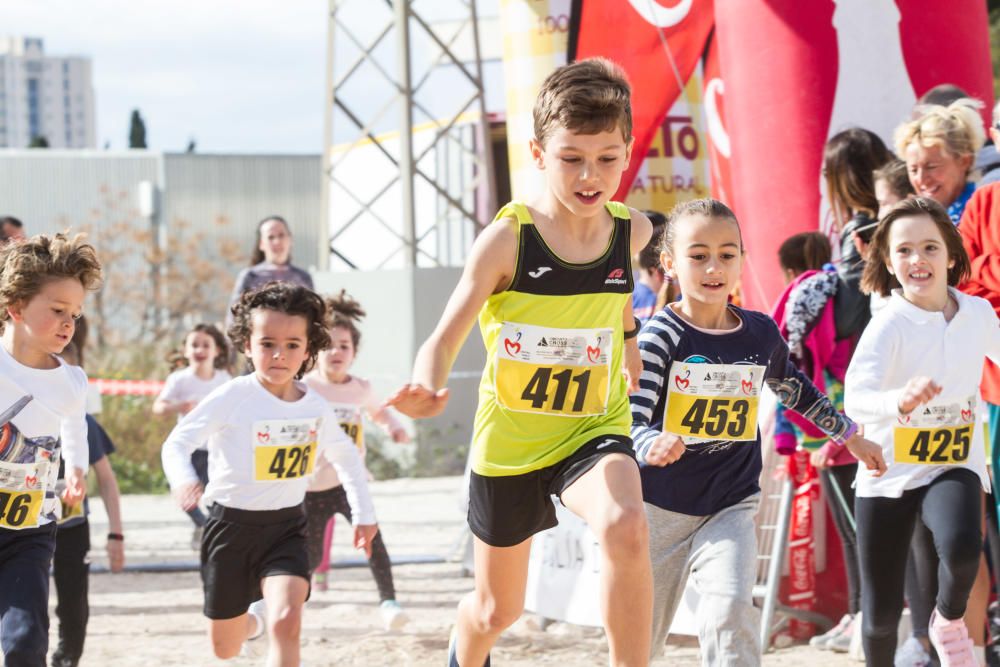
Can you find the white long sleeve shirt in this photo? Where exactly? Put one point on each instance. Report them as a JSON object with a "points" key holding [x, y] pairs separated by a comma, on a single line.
{"points": [[904, 341], [261, 449], [42, 420]]}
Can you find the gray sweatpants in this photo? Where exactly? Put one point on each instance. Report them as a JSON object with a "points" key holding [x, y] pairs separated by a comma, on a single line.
{"points": [[720, 553]]}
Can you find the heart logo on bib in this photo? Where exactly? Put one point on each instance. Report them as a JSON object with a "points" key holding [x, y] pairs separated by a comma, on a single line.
{"points": [[511, 347], [30, 481], [593, 353], [747, 386], [682, 383], [967, 415], [904, 419]]}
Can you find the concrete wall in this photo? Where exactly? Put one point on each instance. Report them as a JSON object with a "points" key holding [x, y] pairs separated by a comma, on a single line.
{"points": [[403, 308]]}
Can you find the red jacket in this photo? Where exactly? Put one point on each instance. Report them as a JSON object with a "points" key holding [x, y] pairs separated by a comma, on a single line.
{"points": [[980, 229]]}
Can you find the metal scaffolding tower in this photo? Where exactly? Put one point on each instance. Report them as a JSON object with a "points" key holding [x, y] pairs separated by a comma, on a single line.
{"points": [[407, 162]]}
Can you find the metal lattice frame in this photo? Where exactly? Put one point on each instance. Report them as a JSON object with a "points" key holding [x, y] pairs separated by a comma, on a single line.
{"points": [[453, 199]]}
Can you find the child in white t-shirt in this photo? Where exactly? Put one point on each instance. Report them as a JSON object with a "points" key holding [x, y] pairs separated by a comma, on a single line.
{"points": [[264, 433], [43, 282]]}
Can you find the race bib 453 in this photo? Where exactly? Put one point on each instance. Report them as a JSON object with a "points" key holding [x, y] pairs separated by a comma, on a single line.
{"points": [[284, 449], [935, 434], [564, 372], [713, 401]]}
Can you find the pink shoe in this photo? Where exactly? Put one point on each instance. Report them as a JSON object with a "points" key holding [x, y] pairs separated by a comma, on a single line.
{"points": [[951, 640]]}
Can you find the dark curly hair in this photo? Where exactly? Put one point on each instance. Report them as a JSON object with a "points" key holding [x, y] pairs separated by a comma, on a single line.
{"points": [[346, 313], [27, 265], [288, 299]]}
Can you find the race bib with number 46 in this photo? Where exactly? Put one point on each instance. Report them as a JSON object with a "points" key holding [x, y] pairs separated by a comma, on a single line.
{"points": [[21, 494], [713, 401], [284, 449], [935, 434], [564, 372]]}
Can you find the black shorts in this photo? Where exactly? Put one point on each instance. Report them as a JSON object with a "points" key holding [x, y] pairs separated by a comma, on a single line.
{"points": [[241, 547], [505, 511]]}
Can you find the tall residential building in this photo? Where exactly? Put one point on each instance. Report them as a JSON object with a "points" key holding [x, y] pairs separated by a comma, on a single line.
{"points": [[44, 96]]}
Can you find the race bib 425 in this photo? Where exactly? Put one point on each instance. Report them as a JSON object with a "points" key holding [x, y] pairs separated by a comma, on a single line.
{"points": [[935, 434]]}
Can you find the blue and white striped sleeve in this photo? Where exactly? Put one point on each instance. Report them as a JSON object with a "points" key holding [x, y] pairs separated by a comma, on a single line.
{"points": [[656, 347]]}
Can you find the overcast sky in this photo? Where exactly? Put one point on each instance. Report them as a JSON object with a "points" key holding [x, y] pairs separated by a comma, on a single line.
{"points": [[235, 75]]}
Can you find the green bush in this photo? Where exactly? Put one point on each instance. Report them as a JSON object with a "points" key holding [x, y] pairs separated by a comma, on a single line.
{"points": [[138, 434]]}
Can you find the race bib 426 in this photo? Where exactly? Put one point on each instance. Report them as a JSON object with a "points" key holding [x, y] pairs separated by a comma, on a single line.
{"points": [[713, 401], [563, 372], [284, 449]]}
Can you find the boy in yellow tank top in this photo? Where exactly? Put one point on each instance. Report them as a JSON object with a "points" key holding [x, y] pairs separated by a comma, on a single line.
{"points": [[551, 283]]}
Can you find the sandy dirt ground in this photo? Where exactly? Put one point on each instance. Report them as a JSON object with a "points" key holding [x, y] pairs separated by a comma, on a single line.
{"points": [[143, 618]]}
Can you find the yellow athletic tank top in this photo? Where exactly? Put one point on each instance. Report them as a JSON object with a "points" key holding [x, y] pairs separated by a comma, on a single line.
{"points": [[553, 378]]}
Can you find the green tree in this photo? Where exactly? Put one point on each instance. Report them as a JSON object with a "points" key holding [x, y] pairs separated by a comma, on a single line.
{"points": [[137, 131], [39, 142]]}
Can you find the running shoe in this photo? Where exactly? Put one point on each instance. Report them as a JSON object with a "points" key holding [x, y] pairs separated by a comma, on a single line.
{"points": [[842, 642], [823, 641], [951, 640], [911, 654], [393, 616], [255, 646]]}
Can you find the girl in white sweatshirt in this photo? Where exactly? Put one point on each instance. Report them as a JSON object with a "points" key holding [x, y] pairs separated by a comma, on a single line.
{"points": [[914, 384]]}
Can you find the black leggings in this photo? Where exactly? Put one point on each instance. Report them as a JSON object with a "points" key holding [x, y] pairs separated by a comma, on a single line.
{"points": [[843, 477], [70, 570], [951, 508], [320, 507]]}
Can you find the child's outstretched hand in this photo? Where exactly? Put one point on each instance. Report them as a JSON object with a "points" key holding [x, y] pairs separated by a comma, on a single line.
{"points": [[666, 449], [363, 536], [417, 401], [868, 453], [187, 496], [632, 365], [918, 390], [74, 491]]}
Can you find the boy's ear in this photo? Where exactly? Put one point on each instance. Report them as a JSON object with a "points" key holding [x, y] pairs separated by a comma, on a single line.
{"points": [[628, 150], [536, 153], [14, 311]]}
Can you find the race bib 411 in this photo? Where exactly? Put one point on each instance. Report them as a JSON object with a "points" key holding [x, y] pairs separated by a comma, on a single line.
{"points": [[713, 401], [284, 449], [564, 372]]}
